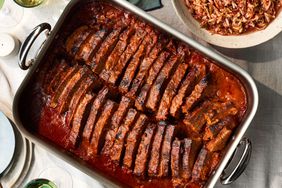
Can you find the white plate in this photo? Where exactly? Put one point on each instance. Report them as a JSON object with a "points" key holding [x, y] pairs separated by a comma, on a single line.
{"points": [[17, 171], [236, 41], [7, 143]]}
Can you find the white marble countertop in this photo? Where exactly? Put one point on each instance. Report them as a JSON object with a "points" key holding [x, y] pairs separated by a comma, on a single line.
{"points": [[263, 62]]}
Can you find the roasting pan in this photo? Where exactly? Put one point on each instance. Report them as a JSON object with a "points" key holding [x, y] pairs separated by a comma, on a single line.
{"points": [[238, 151]]}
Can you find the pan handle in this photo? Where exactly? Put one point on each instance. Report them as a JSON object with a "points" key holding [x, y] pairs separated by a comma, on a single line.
{"points": [[245, 146], [28, 43]]}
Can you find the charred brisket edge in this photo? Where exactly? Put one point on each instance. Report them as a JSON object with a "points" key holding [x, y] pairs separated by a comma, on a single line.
{"points": [[116, 121], [95, 40], [85, 85], [171, 91], [107, 31], [83, 43], [150, 77], [54, 84], [186, 171], [156, 148], [134, 49], [120, 138], [141, 162], [205, 163], [119, 70], [175, 158], [134, 63], [136, 82], [165, 155], [71, 87], [54, 76], [186, 87], [99, 132], [202, 84], [94, 115], [68, 76], [141, 76], [78, 124], [65, 106], [164, 80], [132, 146], [75, 40], [123, 41], [97, 65]]}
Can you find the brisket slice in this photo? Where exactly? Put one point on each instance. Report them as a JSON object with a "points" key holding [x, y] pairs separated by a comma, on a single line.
{"points": [[145, 66], [143, 50], [125, 57], [87, 86], [172, 46], [141, 99], [160, 83], [144, 149], [165, 153], [157, 66], [116, 120], [94, 115], [198, 118], [223, 110], [78, 121], [98, 61], [171, 91], [190, 151], [59, 77], [68, 75], [55, 76], [196, 94], [185, 89], [175, 163], [98, 135], [116, 53], [133, 140], [205, 164], [175, 158], [153, 72], [118, 147], [131, 68], [70, 88], [91, 46], [156, 148], [74, 41], [212, 131], [220, 141]]}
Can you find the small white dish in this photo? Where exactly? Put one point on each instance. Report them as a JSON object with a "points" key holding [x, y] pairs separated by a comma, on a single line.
{"points": [[234, 41], [8, 45]]}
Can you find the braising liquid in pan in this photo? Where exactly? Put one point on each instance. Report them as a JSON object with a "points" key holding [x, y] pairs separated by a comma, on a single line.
{"points": [[135, 104]]}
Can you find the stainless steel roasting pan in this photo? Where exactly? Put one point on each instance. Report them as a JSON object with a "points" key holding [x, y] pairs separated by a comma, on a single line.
{"points": [[238, 149]]}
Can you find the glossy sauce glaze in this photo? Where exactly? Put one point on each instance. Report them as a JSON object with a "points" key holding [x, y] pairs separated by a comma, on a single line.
{"points": [[137, 105]]}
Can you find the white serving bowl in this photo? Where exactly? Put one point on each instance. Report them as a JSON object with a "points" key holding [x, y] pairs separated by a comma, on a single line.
{"points": [[232, 41]]}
